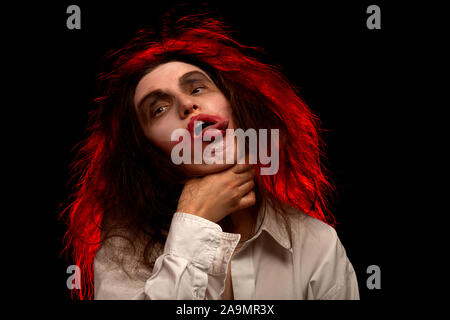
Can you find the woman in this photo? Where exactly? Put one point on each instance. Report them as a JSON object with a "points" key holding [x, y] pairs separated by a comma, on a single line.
{"points": [[142, 226]]}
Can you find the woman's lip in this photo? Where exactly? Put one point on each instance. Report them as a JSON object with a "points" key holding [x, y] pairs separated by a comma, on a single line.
{"points": [[220, 122], [219, 126]]}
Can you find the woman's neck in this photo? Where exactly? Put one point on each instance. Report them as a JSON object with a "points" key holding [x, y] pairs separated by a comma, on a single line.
{"points": [[243, 222]]}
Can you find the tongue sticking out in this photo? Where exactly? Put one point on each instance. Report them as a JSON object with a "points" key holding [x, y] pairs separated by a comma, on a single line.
{"points": [[210, 129], [201, 125]]}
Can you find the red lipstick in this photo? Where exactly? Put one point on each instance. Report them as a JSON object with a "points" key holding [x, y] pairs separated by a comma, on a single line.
{"points": [[206, 122]]}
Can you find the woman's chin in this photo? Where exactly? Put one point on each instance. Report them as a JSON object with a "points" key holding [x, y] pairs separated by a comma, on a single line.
{"points": [[199, 170]]}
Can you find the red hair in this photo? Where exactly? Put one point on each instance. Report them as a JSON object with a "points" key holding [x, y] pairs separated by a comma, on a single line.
{"points": [[269, 99]]}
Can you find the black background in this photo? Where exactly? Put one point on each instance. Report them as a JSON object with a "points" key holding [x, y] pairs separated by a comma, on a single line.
{"points": [[347, 74]]}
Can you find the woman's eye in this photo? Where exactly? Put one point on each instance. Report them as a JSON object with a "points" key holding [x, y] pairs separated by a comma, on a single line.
{"points": [[197, 90], [159, 110]]}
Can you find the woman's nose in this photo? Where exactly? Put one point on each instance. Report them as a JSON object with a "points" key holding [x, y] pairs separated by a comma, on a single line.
{"points": [[189, 109]]}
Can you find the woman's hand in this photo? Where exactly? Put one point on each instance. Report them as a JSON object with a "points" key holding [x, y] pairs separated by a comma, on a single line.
{"points": [[216, 195]]}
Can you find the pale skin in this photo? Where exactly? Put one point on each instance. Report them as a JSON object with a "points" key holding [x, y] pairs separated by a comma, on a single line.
{"points": [[165, 99]]}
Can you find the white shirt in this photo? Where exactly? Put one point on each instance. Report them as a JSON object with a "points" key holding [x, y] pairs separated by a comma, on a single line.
{"points": [[268, 265]]}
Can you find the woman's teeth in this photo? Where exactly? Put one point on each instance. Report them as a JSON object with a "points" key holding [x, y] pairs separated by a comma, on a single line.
{"points": [[200, 125]]}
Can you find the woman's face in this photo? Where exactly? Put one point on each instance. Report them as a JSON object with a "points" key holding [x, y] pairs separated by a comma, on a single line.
{"points": [[169, 97]]}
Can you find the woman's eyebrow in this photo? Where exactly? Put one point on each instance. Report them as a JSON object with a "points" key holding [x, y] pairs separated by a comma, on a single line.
{"points": [[154, 95], [192, 76]]}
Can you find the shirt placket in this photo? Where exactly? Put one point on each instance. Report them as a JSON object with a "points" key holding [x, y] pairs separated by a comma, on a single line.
{"points": [[243, 274]]}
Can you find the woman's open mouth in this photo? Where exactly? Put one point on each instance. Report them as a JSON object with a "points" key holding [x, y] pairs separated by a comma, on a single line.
{"points": [[202, 123]]}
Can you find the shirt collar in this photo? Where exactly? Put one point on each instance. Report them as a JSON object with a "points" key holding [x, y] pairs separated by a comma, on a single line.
{"points": [[273, 223]]}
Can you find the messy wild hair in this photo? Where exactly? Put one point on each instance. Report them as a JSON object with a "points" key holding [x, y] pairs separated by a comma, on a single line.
{"points": [[127, 189]]}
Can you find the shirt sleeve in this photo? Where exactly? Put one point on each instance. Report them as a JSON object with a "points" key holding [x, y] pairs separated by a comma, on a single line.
{"points": [[195, 251], [334, 277]]}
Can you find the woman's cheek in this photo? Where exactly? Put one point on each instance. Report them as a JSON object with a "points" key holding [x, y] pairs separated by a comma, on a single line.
{"points": [[160, 136]]}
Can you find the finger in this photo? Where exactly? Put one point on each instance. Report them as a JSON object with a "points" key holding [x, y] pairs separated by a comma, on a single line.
{"points": [[246, 187], [245, 176], [241, 167], [248, 200]]}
